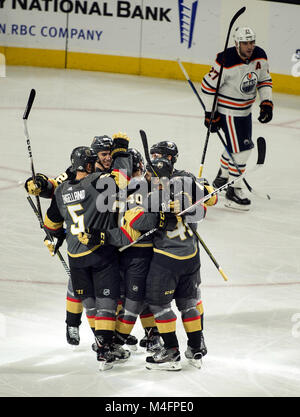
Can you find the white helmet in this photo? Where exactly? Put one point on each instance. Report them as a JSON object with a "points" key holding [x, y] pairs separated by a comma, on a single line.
{"points": [[243, 34]]}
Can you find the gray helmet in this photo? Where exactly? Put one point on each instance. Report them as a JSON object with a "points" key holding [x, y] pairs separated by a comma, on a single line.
{"points": [[102, 143], [81, 156], [165, 148]]}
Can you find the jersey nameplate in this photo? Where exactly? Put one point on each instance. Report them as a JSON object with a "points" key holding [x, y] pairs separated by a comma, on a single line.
{"points": [[74, 196]]}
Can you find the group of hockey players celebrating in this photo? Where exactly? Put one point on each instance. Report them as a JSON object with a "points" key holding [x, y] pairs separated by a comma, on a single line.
{"points": [[131, 228]]}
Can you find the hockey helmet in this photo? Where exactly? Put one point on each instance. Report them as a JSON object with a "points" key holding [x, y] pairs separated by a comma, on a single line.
{"points": [[102, 143], [81, 156], [160, 167], [243, 34], [165, 148], [137, 160]]}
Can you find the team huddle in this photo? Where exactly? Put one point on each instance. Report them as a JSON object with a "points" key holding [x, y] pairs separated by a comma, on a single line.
{"points": [[131, 229]]}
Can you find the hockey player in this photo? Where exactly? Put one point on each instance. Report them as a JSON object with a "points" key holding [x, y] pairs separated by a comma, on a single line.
{"points": [[245, 72], [134, 265], [167, 245], [169, 150], [174, 271], [45, 187], [94, 269]]}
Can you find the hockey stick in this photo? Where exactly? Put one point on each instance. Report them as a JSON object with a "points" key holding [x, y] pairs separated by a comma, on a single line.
{"points": [[36, 212], [146, 150], [213, 259], [260, 162], [235, 17], [25, 118], [220, 136]]}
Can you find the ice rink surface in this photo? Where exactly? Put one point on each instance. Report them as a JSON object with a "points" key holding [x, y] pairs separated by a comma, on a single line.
{"points": [[252, 322]]}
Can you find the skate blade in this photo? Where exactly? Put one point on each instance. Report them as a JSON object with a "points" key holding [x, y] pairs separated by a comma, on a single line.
{"points": [[121, 360], [237, 207], [73, 348], [167, 366], [105, 366], [197, 363]]}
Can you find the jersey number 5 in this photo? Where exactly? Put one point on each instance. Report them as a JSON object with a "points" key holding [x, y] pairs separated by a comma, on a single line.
{"points": [[78, 225]]}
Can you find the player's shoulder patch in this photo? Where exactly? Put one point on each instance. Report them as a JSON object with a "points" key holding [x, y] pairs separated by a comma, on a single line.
{"points": [[232, 58]]}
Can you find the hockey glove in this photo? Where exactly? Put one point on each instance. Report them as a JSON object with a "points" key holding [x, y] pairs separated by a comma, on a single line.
{"points": [[92, 237], [40, 184], [215, 123], [53, 247], [120, 144], [167, 221], [266, 111]]}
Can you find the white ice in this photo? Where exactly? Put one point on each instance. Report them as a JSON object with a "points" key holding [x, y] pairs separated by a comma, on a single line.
{"points": [[252, 322]]}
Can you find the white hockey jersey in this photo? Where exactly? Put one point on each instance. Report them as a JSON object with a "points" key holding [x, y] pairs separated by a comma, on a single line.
{"points": [[239, 84]]}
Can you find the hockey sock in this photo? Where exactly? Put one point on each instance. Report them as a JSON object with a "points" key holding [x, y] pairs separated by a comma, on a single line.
{"points": [[147, 320], [224, 165], [170, 340], [73, 320], [194, 339], [104, 336], [74, 310], [240, 159]]}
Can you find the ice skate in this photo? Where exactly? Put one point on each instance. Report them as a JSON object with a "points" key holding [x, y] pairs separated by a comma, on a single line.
{"points": [[105, 357], [164, 360], [219, 181], [72, 334], [120, 354], [143, 341], [194, 356], [236, 199], [132, 342], [152, 340]]}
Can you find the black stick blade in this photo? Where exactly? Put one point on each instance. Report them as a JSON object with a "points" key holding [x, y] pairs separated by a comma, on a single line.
{"points": [[261, 148], [145, 146], [237, 15], [29, 104], [146, 150]]}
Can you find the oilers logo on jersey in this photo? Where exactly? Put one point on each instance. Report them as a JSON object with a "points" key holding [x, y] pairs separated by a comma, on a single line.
{"points": [[248, 83]]}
